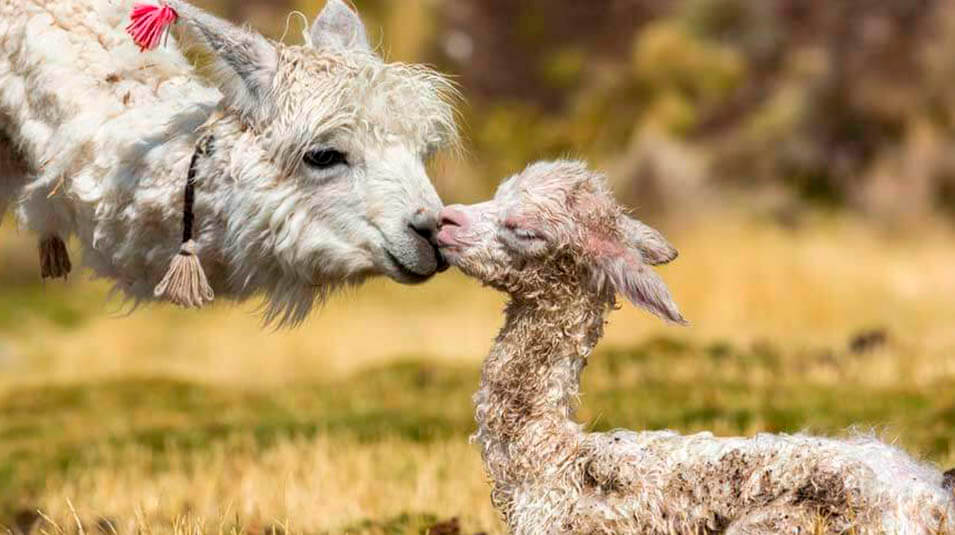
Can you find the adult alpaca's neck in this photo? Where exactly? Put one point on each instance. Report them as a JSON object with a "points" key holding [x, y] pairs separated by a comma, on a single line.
{"points": [[530, 380]]}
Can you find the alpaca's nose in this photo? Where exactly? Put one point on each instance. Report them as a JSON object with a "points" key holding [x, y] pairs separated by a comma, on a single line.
{"points": [[453, 220], [452, 217], [424, 224]]}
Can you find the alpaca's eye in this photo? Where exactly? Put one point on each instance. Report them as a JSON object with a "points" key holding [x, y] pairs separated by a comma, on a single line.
{"points": [[526, 234], [325, 158], [521, 232]]}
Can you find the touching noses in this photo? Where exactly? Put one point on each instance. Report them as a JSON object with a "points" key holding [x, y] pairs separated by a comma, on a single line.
{"points": [[425, 224]]}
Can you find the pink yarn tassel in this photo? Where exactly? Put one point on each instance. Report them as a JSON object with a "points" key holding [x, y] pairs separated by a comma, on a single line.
{"points": [[149, 24]]}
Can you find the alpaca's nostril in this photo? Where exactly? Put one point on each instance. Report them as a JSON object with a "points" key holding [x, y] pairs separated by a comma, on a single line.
{"points": [[451, 217], [424, 232], [423, 224]]}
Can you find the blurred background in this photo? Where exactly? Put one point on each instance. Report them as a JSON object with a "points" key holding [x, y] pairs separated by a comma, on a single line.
{"points": [[799, 153]]}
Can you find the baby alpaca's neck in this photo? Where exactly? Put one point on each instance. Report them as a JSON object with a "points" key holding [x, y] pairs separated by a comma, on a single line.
{"points": [[530, 380]]}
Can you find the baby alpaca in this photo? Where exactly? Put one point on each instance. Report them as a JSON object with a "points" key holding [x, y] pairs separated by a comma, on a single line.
{"points": [[554, 239]]}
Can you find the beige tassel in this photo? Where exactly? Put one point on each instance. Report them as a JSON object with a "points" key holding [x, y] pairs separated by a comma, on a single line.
{"points": [[185, 283], [54, 258]]}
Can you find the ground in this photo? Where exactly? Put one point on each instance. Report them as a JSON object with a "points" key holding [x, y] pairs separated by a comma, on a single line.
{"points": [[358, 422]]}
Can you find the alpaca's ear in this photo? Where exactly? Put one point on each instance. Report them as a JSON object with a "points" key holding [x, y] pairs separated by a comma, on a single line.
{"points": [[641, 285], [337, 27], [244, 62], [625, 265], [653, 247]]}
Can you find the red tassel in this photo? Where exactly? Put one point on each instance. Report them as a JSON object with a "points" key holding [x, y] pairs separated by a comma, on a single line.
{"points": [[149, 24]]}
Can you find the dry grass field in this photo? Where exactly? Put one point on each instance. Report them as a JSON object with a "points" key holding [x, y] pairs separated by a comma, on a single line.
{"points": [[160, 420]]}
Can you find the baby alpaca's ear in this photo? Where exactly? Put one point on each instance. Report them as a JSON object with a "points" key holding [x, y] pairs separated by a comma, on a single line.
{"points": [[642, 286], [626, 266], [653, 247], [339, 28]]}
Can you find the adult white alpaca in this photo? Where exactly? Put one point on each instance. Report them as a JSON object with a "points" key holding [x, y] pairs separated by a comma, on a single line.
{"points": [[309, 160], [554, 239]]}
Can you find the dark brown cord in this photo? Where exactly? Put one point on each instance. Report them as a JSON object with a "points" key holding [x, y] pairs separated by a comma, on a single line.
{"points": [[204, 147]]}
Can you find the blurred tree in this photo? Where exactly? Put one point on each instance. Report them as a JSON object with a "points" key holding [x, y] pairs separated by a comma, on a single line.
{"points": [[511, 50], [848, 103]]}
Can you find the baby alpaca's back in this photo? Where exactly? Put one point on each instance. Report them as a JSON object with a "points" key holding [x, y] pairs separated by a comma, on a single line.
{"points": [[767, 484]]}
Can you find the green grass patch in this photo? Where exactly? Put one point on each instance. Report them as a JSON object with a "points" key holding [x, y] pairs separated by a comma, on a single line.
{"points": [[25, 301], [51, 430]]}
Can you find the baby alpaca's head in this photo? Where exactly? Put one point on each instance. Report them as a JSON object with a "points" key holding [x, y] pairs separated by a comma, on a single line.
{"points": [[557, 225]]}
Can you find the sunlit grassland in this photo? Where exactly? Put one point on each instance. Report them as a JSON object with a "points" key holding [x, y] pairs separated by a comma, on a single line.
{"points": [[358, 421]]}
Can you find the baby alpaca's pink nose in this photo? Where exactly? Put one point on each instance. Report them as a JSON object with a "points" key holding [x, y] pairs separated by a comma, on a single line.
{"points": [[451, 221], [453, 217]]}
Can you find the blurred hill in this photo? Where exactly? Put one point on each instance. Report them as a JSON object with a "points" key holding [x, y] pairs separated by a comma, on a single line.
{"points": [[848, 104]]}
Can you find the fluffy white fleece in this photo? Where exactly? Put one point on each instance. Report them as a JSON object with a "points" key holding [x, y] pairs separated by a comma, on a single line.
{"points": [[97, 137]]}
